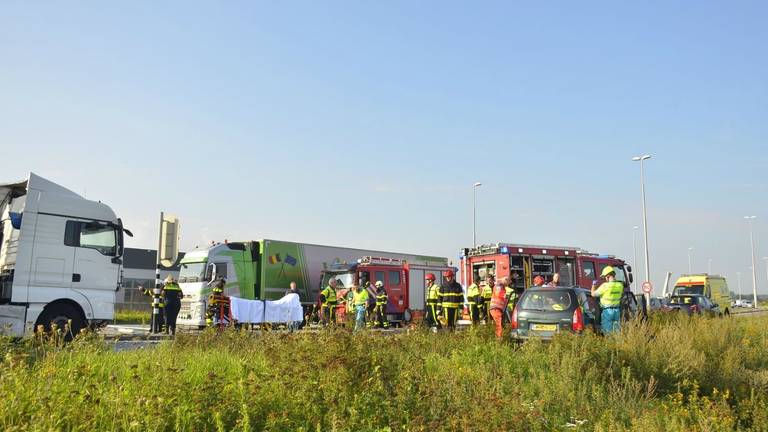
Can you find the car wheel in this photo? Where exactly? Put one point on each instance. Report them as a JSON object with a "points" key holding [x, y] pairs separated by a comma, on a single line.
{"points": [[60, 315]]}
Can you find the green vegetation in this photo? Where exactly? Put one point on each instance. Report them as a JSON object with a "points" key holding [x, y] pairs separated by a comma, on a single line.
{"points": [[133, 317], [682, 374]]}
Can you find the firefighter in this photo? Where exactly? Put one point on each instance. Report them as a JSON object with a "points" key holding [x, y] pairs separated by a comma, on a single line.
{"points": [[360, 301], [156, 325], [610, 300], [433, 301], [451, 297], [486, 292], [172, 300], [498, 304], [381, 306], [218, 304], [328, 301], [511, 296], [474, 299]]}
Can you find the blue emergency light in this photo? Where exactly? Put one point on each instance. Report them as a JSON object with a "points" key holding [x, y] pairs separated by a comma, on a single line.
{"points": [[504, 250]]}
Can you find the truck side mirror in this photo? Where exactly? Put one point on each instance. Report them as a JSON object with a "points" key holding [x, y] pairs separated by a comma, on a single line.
{"points": [[631, 278]]}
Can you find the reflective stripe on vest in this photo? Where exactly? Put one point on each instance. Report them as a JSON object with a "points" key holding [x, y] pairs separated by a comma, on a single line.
{"points": [[610, 294], [330, 295]]}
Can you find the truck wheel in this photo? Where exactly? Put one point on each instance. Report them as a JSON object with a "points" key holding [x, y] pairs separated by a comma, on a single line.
{"points": [[61, 314]]}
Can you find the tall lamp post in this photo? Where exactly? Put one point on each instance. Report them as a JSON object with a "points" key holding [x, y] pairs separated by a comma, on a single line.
{"points": [[690, 260], [709, 266], [474, 212], [645, 221], [738, 277], [750, 219]]}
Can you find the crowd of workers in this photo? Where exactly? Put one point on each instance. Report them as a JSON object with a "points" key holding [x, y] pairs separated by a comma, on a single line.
{"points": [[487, 301]]}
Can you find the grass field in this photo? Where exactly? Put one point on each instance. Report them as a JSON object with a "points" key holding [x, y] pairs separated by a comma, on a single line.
{"points": [[133, 317], [677, 375]]}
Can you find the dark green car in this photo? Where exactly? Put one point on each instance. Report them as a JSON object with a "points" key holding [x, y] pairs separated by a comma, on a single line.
{"points": [[543, 312]]}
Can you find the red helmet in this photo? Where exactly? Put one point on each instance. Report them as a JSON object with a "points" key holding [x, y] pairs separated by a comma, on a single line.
{"points": [[448, 273], [430, 276]]}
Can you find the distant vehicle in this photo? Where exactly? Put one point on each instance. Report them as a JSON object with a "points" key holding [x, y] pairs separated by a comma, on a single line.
{"points": [[523, 263], [544, 312], [713, 287], [60, 258], [747, 304], [693, 305], [263, 269]]}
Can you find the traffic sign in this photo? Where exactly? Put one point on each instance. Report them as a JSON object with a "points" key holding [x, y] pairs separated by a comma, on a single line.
{"points": [[647, 287]]}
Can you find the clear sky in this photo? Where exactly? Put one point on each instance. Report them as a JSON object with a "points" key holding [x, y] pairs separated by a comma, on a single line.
{"points": [[365, 123]]}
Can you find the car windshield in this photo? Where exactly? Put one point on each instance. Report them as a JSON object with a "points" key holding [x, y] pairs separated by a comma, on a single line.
{"points": [[192, 272], [682, 300], [546, 300], [689, 289]]}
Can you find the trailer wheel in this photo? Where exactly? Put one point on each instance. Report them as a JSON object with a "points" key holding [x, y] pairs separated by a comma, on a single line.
{"points": [[61, 314]]}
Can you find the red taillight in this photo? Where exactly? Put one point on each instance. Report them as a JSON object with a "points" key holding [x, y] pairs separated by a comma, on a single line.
{"points": [[578, 320], [514, 319]]}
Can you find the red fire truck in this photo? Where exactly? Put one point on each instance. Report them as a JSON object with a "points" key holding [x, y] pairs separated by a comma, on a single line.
{"points": [[524, 262], [403, 280]]}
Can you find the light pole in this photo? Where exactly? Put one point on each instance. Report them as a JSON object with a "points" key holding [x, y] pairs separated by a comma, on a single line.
{"points": [[738, 277], [634, 248], [750, 219], [709, 266], [690, 260], [766, 268], [645, 221], [474, 212]]}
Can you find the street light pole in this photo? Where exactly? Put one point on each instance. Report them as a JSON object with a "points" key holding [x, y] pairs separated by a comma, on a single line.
{"points": [[754, 270], [709, 266], [645, 222], [474, 212], [690, 260], [738, 277], [634, 248]]}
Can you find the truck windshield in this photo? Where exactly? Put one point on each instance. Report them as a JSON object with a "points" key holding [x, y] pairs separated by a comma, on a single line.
{"points": [[192, 272], [620, 275], [344, 280], [688, 290]]}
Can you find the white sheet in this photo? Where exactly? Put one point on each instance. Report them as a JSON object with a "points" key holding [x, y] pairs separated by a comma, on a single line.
{"points": [[285, 310]]}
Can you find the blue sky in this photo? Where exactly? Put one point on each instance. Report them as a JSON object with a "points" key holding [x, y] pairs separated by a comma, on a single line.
{"points": [[366, 123]]}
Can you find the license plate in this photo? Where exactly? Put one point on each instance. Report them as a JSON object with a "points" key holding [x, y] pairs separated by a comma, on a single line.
{"points": [[544, 327]]}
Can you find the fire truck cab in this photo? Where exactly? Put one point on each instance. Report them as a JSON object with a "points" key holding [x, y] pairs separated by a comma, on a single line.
{"points": [[404, 282], [524, 262]]}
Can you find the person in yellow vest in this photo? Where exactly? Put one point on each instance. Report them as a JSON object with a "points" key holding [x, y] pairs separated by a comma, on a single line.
{"points": [[610, 300], [328, 301], [486, 292], [360, 301], [474, 299], [511, 295], [433, 301]]}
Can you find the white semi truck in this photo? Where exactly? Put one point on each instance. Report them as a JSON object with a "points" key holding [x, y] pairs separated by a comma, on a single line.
{"points": [[60, 258]]}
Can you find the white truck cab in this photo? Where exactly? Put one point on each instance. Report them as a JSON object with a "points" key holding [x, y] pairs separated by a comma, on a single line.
{"points": [[60, 258]]}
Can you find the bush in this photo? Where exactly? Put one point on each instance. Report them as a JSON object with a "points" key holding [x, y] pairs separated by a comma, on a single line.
{"points": [[685, 374]]}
